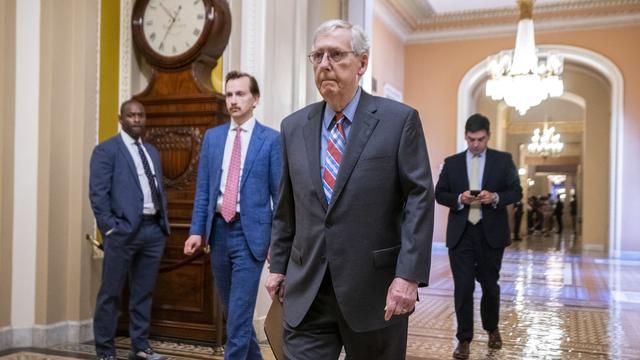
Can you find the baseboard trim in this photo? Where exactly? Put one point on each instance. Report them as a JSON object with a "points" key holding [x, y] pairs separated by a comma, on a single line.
{"points": [[41, 336]]}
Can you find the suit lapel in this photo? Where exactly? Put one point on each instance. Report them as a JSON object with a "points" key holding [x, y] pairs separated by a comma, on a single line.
{"points": [[462, 168], [255, 144], [312, 132], [217, 155], [362, 127], [487, 167], [132, 165]]}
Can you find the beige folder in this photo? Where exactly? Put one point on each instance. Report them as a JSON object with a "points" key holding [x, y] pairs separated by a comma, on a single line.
{"points": [[273, 328]]}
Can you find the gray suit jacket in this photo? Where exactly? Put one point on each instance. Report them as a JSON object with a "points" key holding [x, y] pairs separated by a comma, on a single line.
{"points": [[379, 224]]}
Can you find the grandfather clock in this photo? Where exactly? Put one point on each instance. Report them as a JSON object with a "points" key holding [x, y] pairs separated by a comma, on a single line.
{"points": [[182, 40]]}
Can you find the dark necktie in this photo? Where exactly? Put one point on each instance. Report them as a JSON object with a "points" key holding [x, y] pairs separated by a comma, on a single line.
{"points": [[155, 194]]}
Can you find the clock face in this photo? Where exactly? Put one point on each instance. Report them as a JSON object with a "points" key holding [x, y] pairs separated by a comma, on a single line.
{"points": [[172, 27]]}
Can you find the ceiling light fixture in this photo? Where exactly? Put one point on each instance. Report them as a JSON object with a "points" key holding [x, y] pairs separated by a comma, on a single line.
{"points": [[524, 77], [546, 142]]}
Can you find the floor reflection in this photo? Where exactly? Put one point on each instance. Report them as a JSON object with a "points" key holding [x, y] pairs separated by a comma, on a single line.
{"points": [[558, 302]]}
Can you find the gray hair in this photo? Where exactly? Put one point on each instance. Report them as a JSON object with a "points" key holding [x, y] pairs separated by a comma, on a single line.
{"points": [[359, 40]]}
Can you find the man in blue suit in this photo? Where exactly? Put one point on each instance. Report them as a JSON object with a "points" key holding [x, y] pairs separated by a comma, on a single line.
{"points": [[238, 179], [477, 185], [127, 198]]}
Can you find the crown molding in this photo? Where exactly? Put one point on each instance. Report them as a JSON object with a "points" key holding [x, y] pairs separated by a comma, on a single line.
{"points": [[384, 13], [558, 24], [418, 15], [557, 9], [415, 21]]}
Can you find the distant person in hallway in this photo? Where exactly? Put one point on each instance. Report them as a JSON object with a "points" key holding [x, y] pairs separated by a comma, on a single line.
{"points": [[477, 185], [238, 178], [538, 214], [547, 214], [517, 219], [574, 214], [557, 212], [351, 240], [128, 200], [530, 214]]}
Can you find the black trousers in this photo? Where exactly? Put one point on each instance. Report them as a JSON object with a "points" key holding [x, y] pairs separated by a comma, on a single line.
{"points": [[324, 331], [517, 220], [473, 259], [559, 221]]}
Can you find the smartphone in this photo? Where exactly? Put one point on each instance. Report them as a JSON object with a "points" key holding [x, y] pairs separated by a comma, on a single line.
{"points": [[474, 192]]}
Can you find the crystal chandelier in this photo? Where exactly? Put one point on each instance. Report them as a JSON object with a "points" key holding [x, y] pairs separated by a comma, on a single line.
{"points": [[523, 77], [546, 142]]}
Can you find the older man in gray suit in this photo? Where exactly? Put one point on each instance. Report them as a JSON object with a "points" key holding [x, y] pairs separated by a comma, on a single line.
{"points": [[352, 231]]}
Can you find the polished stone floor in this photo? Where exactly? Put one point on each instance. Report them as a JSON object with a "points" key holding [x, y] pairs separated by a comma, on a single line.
{"points": [[558, 302]]}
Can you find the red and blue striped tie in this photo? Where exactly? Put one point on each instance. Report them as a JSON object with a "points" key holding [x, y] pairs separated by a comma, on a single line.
{"points": [[336, 145]]}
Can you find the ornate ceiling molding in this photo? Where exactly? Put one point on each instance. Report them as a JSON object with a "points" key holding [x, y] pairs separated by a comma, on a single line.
{"points": [[415, 21]]}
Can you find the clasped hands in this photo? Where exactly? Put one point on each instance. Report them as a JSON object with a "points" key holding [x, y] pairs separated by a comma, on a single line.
{"points": [[484, 197]]}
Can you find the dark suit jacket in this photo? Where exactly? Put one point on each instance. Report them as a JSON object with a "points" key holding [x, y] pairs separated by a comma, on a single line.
{"points": [[115, 192], [258, 186], [500, 176], [379, 224]]}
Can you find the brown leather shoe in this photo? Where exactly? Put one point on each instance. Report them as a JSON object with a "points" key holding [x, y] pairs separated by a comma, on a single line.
{"points": [[462, 350], [495, 340]]}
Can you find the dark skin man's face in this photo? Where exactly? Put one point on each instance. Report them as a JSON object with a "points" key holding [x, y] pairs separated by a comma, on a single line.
{"points": [[133, 119]]}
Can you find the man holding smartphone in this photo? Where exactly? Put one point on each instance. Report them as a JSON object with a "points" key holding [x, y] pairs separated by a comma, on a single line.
{"points": [[477, 185]]}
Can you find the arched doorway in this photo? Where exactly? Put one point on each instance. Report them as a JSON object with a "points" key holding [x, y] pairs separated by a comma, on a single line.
{"points": [[605, 68]]}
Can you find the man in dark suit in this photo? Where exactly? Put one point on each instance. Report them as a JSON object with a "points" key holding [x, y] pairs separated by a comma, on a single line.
{"points": [[477, 185], [351, 240], [238, 178], [557, 212], [574, 214], [517, 219], [127, 198]]}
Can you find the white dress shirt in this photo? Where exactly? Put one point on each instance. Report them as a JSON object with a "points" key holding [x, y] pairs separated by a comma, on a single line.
{"points": [[246, 130], [148, 207]]}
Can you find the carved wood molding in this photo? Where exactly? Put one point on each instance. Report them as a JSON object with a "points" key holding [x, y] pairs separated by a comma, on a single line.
{"points": [[185, 143]]}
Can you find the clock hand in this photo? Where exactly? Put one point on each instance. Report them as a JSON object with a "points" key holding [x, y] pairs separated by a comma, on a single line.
{"points": [[167, 11], [173, 21]]}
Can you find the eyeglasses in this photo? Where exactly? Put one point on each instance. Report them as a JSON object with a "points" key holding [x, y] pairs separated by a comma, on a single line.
{"points": [[315, 57]]}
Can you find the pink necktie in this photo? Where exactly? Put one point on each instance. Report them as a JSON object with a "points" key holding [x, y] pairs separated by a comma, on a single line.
{"points": [[230, 197]]}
